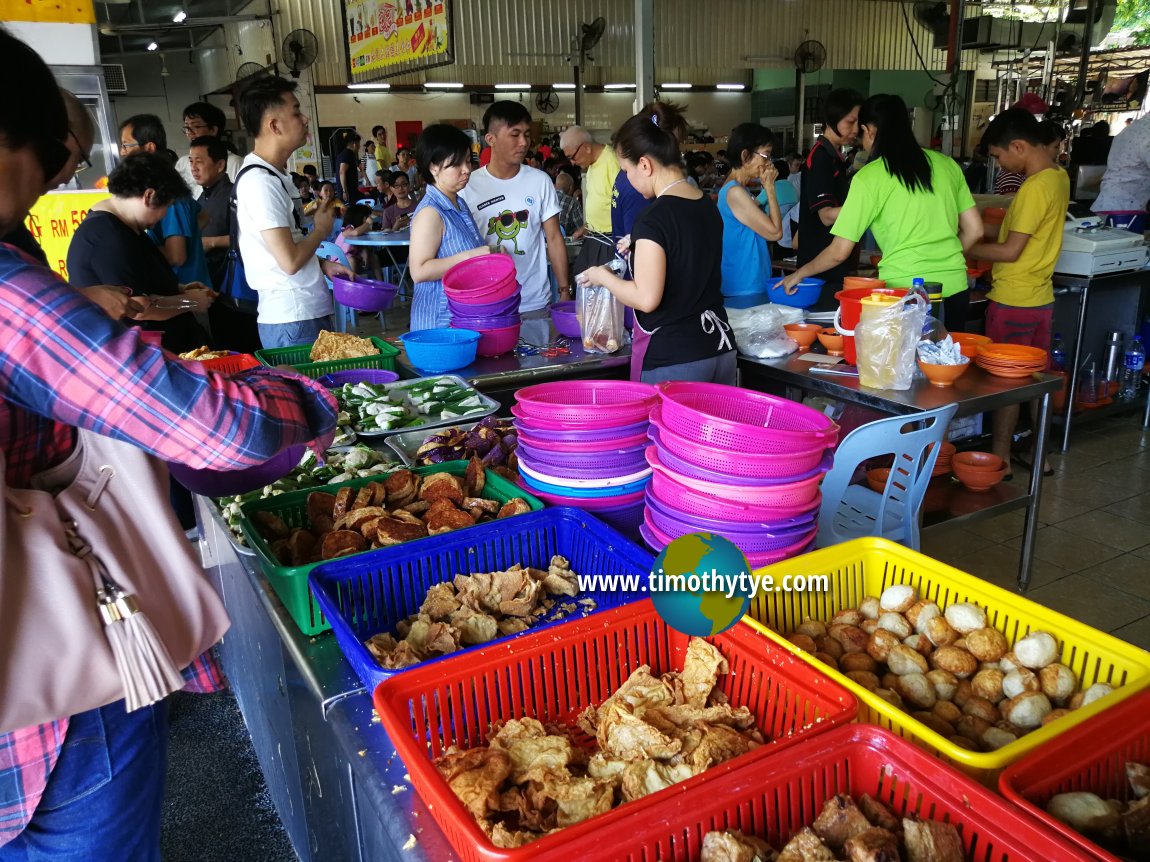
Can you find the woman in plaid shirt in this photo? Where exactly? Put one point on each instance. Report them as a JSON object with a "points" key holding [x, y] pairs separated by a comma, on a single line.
{"points": [[90, 786]]}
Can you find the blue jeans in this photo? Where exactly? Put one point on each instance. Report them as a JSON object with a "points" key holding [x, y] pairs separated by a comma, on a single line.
{"points": [[293, 334], [105, 795]]}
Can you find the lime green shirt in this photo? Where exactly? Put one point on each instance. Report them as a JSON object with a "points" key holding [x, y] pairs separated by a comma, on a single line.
{"points": [[598, 189], [917, 231]]}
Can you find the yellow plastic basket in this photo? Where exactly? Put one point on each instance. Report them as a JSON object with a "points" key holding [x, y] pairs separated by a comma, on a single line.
{"points": [[865, 567]]}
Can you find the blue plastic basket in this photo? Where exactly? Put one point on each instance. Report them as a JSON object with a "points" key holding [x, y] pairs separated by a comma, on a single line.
{"points": [[440, 350], [806, 296], [372, 593]]}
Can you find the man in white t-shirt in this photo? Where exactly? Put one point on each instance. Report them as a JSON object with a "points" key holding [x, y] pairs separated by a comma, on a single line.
{"points": [[516, 207], [280, 261]]}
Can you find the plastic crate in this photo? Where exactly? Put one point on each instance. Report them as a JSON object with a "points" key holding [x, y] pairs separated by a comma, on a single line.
{"points": [[233, 364], [553, 676], [290, 582], [865, 567], [299, 358], [1090, 757], [365, 596], [777, 797]]}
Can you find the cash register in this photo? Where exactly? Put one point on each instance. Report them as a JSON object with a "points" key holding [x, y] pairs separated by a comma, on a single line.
{"points": [[1090, 247]]}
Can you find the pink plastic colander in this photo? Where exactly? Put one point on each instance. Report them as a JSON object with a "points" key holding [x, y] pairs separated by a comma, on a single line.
{"points": [[673, 492], [594, 420], [656, 539], [757, 540], [731, 462], [693, 471], [742, 420], [572, 400], [787, 500]]}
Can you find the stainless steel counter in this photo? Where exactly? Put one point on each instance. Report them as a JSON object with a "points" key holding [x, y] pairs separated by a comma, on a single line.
{"points": [[330, 769], [975, 392], [500, 376]]}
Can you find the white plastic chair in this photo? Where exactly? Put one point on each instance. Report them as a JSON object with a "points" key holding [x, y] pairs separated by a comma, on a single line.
{"points": [[851, 511], [367, 202]]}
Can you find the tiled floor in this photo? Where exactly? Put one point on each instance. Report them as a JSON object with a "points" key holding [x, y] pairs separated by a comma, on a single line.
{"points": [[1092, 559]]}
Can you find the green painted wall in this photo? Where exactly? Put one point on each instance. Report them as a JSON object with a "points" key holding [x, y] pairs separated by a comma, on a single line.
{"points": [[912, 86]]}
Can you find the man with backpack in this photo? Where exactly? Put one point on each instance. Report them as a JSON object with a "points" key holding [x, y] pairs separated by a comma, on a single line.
{"points": [[279, 259]]}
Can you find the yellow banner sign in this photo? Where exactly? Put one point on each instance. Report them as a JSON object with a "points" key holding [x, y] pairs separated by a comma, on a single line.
{"points": [[388, 37], [54, 219], [48, 11]]}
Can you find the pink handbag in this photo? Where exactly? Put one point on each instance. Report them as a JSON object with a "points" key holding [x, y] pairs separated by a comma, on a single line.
{"points": [[101, 595]]}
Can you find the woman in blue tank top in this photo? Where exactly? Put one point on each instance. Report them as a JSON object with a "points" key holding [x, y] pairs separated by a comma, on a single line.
{"points": [[746, 228], [442, 230]]}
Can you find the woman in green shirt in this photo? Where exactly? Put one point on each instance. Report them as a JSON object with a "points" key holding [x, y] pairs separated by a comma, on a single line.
{"points": [[917, 204]]}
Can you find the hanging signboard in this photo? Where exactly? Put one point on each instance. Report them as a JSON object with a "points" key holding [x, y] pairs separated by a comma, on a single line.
{"points": [[393, 37]]}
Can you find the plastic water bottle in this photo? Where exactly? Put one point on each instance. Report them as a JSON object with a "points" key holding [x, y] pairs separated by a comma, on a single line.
{"points": [[1058, 353], [1132, 365]]}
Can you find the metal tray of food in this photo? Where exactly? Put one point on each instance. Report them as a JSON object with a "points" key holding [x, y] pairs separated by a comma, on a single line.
{"points": [[406, 443], [487, 407]]}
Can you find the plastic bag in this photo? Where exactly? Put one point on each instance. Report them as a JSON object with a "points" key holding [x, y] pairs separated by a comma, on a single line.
{"points": [[886, 339], [759, 330], [600, 314]]}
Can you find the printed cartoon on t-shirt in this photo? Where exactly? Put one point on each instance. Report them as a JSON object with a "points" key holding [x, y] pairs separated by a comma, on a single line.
{"points": [[506, 227]]}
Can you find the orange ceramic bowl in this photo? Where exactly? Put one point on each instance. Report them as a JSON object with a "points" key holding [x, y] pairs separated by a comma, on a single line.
{"points": [[968, 342], [977, 480], [832, 341], [943, 375], [803, 333], [876, 478], [978, 462]]}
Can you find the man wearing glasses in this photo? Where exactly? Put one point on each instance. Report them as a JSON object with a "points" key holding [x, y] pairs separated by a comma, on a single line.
{"points": [[204, 120], [600, 169], [516, 208]]}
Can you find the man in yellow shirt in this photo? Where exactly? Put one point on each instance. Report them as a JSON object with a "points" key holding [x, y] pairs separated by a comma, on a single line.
{"points": [[1021, 309], [600, 166]]}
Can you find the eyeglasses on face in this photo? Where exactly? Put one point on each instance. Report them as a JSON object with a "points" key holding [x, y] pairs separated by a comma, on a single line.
{"points": [[508, 219], [195, 129], [573, 156], [129, 145]]}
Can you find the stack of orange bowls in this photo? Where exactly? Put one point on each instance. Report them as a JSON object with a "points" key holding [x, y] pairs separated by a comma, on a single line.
{"points": [[1011, 360], [945, 456]]}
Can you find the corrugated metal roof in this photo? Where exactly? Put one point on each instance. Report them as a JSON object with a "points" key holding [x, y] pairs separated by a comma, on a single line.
{"points": [[531, 40]]}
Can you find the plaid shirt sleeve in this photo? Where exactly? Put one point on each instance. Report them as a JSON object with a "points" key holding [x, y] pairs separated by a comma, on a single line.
{"points": [[64, 364]]}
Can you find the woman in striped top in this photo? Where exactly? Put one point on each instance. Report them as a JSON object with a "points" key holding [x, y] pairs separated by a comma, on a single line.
{"points": [[442, 230]]}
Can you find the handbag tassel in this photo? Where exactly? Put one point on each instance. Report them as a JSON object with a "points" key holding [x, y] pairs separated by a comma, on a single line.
{"points": [[146, 668]]}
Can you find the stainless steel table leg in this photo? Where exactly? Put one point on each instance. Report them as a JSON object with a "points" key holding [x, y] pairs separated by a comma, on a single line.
{"points": [[1072, 383], [1030, 530]]}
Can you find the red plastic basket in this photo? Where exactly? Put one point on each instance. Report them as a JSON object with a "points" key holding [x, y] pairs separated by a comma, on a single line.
{"points": [[1090, 757], [742, 420], [736, 464], [777, 797], [571, 400], [233, 364], [553, 676]]}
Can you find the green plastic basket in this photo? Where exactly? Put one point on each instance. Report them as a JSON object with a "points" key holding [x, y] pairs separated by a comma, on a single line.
{"points": [[290, 582], [298, 357]]}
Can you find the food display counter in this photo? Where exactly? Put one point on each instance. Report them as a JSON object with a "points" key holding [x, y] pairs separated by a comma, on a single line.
{"points": [[331, 772], [500, 376]]}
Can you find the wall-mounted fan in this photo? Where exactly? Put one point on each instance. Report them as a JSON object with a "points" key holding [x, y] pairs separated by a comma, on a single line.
{"points": [[935, 17], [810, 56], [547, 101], [249, 70], [588, 37], [300, 50]]}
